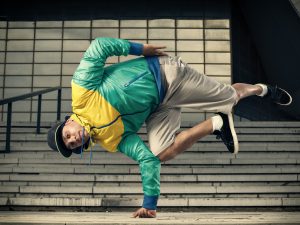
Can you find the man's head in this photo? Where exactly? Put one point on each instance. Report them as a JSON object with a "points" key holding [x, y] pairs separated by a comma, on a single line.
{"points": [[68, 137]]}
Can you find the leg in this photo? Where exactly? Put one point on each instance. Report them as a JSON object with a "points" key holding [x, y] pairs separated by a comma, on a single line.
{"points": [[186, 139], [245, 90], [186, 88], [162, 127], [277, 94]]}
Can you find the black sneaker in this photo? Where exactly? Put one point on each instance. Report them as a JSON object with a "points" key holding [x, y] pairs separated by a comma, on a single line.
{"points": [[227, 133], [279, 95]]}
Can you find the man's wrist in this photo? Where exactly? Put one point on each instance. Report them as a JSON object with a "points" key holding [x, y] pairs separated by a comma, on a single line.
{"points": [[136, 48], [150, 202]]}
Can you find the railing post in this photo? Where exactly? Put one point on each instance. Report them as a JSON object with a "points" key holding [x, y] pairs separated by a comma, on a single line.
{"points": [[8, 127], [58, 104], [38, 121], [9, 102]]}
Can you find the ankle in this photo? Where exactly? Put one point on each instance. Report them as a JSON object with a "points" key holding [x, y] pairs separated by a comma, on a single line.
{"points": [[264, 90], [217, 122]]}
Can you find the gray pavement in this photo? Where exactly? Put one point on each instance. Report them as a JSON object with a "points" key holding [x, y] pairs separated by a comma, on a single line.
{"points": [[124, 218]]}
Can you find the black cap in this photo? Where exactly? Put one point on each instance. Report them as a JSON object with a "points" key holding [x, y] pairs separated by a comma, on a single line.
{"points": [[56, 142]]}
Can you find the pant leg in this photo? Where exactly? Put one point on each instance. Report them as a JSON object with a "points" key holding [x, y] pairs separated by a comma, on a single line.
{"points": [[185, 87], [161, 127], [188, 88]]}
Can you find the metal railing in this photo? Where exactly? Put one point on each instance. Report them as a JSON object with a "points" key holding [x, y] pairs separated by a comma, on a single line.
{"points": [[9, 102]]}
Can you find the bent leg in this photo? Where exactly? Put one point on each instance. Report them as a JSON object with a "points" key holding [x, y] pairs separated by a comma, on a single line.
{"points": [[186, 139], [186, 88]]}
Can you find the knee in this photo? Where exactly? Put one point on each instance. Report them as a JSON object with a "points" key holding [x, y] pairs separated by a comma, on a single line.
{"points": [[162, 158], [238, 91]]}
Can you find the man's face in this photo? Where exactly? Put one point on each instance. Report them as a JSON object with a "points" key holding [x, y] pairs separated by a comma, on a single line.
{"points": [[72, 134]]}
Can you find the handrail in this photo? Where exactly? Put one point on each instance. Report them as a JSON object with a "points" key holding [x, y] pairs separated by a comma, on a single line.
{"points": [[9, 101]]}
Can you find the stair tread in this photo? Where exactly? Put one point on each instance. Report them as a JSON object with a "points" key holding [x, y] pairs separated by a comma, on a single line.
{"points": [[136, 201], [266, 172]]}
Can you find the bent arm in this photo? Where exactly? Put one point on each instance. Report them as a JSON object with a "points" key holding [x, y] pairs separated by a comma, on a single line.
{"points": [[91, 67]]}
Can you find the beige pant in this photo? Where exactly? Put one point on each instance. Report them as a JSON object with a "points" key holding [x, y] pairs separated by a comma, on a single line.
{"points": [[185, 88]]}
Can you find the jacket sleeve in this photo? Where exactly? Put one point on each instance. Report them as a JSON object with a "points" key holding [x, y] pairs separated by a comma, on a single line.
{"points": [[135, 148], [91, 67]]}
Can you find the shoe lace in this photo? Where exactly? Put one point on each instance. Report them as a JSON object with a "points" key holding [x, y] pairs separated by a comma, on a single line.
{"points": [[221, 135], [276, 94]]}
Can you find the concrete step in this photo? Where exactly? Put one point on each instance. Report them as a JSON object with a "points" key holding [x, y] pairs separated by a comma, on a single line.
{"points": [[135, 184], [136, 202], [209, 138], [26, 130], [128, 161], [199, 146], [165, 189], [183, 123], [187, 155], [164, 178], [239, 130], [45, 169], [205, 217], [266, 172]]}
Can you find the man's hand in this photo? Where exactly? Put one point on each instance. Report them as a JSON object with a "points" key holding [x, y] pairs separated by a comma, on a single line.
{"points": [[144, 213], [150, 50]]}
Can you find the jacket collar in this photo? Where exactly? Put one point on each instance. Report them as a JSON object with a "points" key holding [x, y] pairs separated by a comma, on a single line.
{"points": [[83, 122]]}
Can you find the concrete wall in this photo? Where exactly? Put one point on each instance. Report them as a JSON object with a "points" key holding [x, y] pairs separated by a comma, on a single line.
{"points": [[266, 49], [39, 54]]}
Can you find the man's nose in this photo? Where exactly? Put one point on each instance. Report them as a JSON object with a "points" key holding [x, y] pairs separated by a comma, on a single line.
{"points": [[73, 139]]}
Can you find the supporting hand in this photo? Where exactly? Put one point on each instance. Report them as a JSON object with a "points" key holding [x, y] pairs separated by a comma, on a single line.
{"points": [[144, 213], [150, 50]]}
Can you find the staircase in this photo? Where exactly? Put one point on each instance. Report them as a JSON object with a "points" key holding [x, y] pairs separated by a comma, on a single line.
{"points": [[265, 173]]}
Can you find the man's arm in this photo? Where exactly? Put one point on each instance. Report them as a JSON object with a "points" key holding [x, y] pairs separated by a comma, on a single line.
{"points": [[135, 148], [91, 68]]}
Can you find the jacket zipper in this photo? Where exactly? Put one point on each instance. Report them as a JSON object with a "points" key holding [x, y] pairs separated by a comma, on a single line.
{"points": [[112, 122], [134, 79], [121, 115]]}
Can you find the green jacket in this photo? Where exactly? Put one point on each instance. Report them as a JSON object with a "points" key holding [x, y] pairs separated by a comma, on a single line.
{"points": [[113, 102]]}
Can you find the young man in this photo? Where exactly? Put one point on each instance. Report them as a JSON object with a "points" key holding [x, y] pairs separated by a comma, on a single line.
{"points": [[111, 104]]}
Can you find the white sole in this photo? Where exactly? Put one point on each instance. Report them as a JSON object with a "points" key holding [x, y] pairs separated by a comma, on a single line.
{"points": [[291, 99], [234, 136]]}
